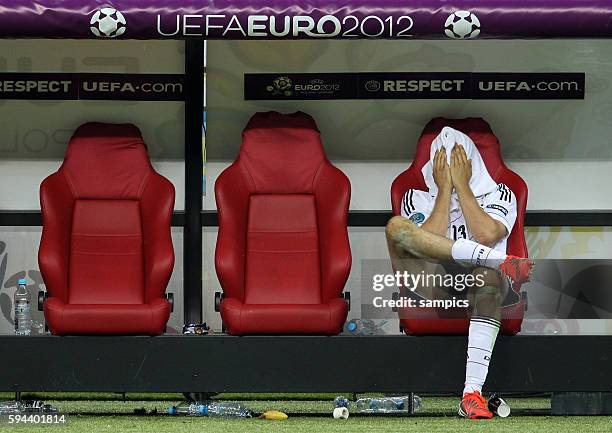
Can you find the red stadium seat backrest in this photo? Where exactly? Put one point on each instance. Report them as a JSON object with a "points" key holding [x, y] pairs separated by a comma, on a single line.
{"points": [[282, 222], [106, 230], [419, 321], [489, 147]]}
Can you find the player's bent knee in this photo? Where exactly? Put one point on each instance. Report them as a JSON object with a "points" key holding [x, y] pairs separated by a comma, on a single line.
{"points": [[397, 224], [394, 223]]}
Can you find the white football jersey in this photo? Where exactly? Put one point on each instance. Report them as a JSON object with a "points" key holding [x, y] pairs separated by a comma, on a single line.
{"points": [[500, 205]]}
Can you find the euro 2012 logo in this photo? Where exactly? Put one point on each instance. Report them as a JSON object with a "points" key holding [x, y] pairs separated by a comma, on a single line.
{"points": [[281, 86]]}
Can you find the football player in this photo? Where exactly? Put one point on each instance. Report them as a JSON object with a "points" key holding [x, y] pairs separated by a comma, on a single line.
{"points": [[461, 224]]}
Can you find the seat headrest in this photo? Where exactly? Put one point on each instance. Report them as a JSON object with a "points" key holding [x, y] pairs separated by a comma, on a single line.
{"points": [[282, 153], [106, 161], [474, 127]]}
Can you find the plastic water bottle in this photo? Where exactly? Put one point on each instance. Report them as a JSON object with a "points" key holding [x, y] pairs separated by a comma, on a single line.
{"points": [[213, 409], [22, 302], [38, 406], [227, 410], [386, 404], [30, 406], [11, 407], [365, 327], [189, 409]]}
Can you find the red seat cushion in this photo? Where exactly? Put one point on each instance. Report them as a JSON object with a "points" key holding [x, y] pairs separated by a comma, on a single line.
{"points": [[106, 252], [282, 253], [326, 319], [421, 321], [106, 319]]}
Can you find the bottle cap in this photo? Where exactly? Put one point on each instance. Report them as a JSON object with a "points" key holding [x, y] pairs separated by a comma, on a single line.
{"points": [[203, 410], [22, 282], [341, 401], [172, 410], [351, 326]]}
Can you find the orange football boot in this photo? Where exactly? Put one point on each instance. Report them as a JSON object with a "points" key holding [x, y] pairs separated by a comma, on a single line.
{"points": [[474, 406]]}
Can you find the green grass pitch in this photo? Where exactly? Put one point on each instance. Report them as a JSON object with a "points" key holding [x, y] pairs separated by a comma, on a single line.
{"points": [[92, 413]]}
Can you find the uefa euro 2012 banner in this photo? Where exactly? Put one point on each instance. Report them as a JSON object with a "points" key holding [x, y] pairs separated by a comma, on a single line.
{"points": [[307, 19]]}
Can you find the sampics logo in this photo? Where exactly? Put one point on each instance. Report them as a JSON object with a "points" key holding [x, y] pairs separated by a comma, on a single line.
{"points": [[281, 86]]}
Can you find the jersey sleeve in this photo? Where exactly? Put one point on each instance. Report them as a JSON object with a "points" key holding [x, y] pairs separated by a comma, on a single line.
{"points": [[417, 206], [501, 206]]}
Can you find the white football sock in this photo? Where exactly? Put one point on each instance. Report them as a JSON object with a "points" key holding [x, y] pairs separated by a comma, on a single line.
{"points": [[470, 253], [481, 339]]}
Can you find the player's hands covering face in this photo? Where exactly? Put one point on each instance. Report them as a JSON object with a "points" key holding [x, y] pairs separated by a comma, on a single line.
{"points": [[460, 167], [441, 171]]}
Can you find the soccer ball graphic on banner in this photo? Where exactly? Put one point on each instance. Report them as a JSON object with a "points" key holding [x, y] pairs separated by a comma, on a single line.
{"points": [[462, 25], [108, 23]]}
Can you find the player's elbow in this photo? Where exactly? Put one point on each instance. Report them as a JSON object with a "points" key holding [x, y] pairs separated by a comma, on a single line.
{"points": [[486, 238], [490, 234]]}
